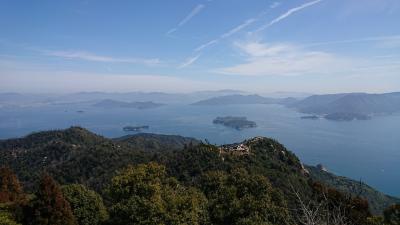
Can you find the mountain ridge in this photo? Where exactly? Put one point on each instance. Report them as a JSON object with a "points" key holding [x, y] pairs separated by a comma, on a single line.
{"points": [[243, 99], [362, 103], [76, 155]]}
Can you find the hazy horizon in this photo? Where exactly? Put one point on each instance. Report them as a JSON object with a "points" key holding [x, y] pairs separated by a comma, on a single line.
{"points": [[235, 91]]}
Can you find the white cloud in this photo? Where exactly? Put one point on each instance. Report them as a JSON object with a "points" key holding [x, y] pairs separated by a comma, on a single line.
{"points": [[274, 5], [87, 56], [239, 28], [196, 10], [193, 13], [189, 61], [258, 49], [287, 14], [282, 59], [205, 45], [285, 60], [253, 20], [227, 34], [171, 31]]}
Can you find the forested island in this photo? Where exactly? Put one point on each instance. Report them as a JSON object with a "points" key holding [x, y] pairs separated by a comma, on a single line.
{"points": [[238, 123]]}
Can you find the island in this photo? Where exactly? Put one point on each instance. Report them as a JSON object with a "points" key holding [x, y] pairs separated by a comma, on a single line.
{"points": [[238, 123], [135, 128], [310, 117], [349, 106], [346, 116]]}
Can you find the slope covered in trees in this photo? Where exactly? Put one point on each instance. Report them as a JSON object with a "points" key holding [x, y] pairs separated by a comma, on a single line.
{"points": [[378, 201], [140, 180]]}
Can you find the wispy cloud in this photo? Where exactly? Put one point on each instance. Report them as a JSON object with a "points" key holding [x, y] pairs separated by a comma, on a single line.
{"points": [[257, 49], [382, 41], [251, 21], [87, 56], [189, 61], [205, 45], [196, 10], [287, 14], [274, 5], [215, 41], [238, 28], [262, 59], [227, 34]]}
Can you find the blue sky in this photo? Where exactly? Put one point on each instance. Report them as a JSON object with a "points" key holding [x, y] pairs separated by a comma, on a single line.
{"points": [[318, 46]]}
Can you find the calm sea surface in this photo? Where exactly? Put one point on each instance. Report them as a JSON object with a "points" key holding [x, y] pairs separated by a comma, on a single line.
{"points": [[366, 150]]}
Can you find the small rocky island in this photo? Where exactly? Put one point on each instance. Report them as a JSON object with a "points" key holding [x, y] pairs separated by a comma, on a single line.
{"points": [[135, 128], [238, 123]]}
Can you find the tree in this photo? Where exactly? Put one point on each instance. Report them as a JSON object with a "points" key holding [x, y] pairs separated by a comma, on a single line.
{"points": [[49, 206], [12, 197], [375, 220], [392, 215], [6, 218], [87, 206], [241, 198], [10, 188], [329, 206], [144, 194]]}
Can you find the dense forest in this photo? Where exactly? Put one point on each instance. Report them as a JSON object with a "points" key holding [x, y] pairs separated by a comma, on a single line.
{"points": [[72, 176]]}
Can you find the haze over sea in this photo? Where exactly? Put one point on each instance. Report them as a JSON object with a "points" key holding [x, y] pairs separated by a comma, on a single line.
{"points": [[362, 150]]}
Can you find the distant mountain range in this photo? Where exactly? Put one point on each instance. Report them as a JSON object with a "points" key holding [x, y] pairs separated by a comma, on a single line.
{"points": [[17, 99], [343, 106], [244, 99], [108, 103]]}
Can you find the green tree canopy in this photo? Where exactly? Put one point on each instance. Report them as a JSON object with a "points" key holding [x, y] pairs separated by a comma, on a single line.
{"points": [[6, 218], [240, 198], [144, 194], [87, 206]]}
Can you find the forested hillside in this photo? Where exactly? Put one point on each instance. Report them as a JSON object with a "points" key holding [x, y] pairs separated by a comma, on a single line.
{"points": [[73, 176]]}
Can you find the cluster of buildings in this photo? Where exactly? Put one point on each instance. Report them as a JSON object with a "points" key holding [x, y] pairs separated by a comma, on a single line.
{"points": [[239, 149]]}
